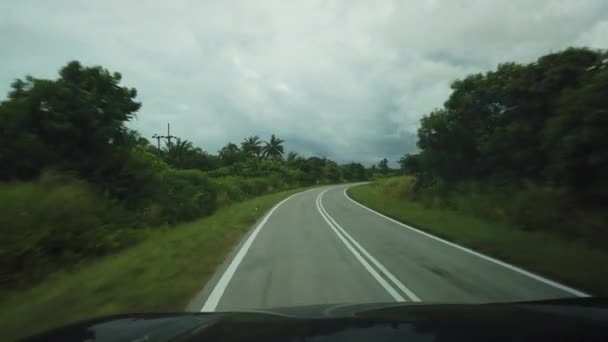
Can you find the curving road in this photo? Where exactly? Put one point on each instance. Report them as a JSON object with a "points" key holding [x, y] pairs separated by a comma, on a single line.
{"points": [[321, 247]]}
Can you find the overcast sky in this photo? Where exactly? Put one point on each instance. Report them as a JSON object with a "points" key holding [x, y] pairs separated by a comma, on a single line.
{"points": [[345, 79]]}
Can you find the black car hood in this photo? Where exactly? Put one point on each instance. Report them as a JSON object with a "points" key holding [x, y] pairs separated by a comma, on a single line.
{"points": [[571, 319]]}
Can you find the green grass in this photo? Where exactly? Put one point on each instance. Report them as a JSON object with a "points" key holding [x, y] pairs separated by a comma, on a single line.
{"points": [[573, 262], [162, 273]]}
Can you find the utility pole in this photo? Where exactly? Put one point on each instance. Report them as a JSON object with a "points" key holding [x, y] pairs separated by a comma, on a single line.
{"points": [[168, 137], [157, 137]]}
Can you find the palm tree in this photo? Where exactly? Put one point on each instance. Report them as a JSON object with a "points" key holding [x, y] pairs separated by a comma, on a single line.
{"points": [[291, 156], [252, 146], [273, 148], [178, 152], [230, 154]]}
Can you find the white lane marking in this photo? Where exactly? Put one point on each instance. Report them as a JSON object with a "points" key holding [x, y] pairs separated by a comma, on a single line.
{"points": [[365, 264], [220, 287], [483, 256], [381, 267]]}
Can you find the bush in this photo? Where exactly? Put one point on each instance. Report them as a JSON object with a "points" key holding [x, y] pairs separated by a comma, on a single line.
{"points": [[230, 189], [399, 187], [221, 172], [56, 220], [535, 208], [439, 194], [185, 195], [236, 188], [529, 206], [257, 186], [481, 200]]}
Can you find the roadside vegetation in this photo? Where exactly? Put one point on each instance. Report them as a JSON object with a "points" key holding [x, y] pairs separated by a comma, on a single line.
{"points": [[514, 163], [160, 274], [77, 184], [533, 134], [489, 222]]}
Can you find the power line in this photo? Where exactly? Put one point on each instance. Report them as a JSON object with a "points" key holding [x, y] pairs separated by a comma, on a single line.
{"points": [[167, 137]]}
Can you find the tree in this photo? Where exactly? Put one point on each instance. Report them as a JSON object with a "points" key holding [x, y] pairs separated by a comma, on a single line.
{"points": [[576, 138], [295, 161], [370, 172], [231, 154], [180, 153], [75, 122], [354, 172], [539, 121], [204, 161], [291, 157], [313, 169], [410, 163], [332, 171], [383, 166], [273, 148], [252, 146], [133, 138], [448, 149]]}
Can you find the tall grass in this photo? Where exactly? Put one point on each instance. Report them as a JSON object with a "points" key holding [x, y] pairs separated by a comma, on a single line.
{"points": [[529, 207], [57, 220]]}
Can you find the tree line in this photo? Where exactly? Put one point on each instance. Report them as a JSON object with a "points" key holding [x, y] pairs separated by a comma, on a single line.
{"points": [[76, 124], [76, 182], [543, 122]]}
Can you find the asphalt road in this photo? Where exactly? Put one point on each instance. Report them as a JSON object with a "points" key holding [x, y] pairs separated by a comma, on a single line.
{"points": [[321, 247]]}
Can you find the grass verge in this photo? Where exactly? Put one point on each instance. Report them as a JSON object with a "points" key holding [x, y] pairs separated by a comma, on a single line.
{"points": [[573, 262], [160, 274]]}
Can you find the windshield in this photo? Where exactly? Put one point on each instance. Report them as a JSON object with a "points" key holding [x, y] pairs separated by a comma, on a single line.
{"points": [[223, 156]]}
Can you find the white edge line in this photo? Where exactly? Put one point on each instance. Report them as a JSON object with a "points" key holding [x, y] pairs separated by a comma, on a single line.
{"points": [[381, 267], [365, 264], [483, 256], [215, 296]]}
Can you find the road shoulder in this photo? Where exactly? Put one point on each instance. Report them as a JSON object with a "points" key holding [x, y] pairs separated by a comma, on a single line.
{"points": [[569, 262]]}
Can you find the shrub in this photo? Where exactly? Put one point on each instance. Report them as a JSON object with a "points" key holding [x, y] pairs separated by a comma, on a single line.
{"points": [[399, 187], [257, 186], [59, 220], [235, 188], [56, 220], [230, 189], [185, 195], [535, 208], [528, 206], [221, 172]]}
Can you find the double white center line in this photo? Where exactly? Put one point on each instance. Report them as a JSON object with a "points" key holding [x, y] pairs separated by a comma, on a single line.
{"points": [[357, 250]]}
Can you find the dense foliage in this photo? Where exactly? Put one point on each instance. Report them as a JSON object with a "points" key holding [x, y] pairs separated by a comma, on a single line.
{"points": [[77, 183], [542, 121], [527, 140]]}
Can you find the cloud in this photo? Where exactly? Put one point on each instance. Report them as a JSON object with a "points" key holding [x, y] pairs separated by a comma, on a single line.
{"points": [[344, 79]]}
